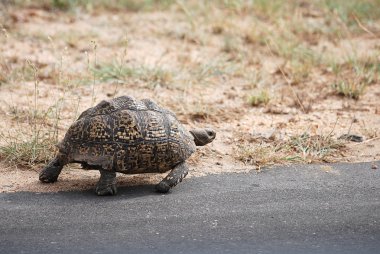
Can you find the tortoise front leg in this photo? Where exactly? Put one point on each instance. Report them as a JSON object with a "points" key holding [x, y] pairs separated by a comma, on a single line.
{"points": [[51, 172], [173, 178], [106, 184]]}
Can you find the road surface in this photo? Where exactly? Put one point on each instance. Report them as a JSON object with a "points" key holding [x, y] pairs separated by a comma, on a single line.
{"points": [[296, 209]]}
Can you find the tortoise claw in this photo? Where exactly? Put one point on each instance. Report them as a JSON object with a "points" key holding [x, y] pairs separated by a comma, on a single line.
{"points": [[47, 178], [51, 172], [109, 190], [107, 183], [163, 187]]}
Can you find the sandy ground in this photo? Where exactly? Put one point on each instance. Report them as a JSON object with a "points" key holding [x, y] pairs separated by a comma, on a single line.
{"points": [[203, 82]]}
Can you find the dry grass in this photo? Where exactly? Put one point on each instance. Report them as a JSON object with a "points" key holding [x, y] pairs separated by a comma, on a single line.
{"points": [[303, 148], [355, 74], [35, 132], [202, 59], [70, 5], [261, 98], [32, 140], [352, 89], [28, 150]]}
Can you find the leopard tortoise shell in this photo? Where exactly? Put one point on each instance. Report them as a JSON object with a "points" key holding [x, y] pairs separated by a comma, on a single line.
{"points": [[128, 136]]}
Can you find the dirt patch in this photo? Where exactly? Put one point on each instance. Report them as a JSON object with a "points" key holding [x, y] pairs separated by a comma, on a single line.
{"points": [[245, 71]]}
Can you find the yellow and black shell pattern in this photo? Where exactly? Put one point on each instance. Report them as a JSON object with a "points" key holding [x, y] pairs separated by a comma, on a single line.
{"points": [[129, 136]]}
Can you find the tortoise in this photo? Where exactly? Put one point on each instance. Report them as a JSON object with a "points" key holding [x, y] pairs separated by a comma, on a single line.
{"points": [[129, 136]]}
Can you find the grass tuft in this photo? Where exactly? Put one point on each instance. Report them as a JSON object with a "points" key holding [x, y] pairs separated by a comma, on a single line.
{"points": [[259, 99], [314, 147], [354, 76], [303, 148], [350, 89], [28, 150], [260, 154]]}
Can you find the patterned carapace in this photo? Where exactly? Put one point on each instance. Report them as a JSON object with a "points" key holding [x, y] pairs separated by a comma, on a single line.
{"points": [[129, 136]]}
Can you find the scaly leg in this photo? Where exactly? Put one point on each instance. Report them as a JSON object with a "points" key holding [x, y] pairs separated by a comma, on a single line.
{"points": [[106, 184], [173, 178], [51, 172]]}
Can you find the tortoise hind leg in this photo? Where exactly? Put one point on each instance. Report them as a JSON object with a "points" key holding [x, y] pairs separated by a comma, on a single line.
{"points": [[173, 178], [106, 184], [51, 172]]}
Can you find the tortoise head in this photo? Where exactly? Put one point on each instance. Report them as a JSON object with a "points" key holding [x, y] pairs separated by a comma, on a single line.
{"points": [[203, 136]]}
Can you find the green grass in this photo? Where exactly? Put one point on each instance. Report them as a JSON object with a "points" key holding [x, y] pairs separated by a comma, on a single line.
{"points": [[354, 75], [258, 99], [350, 88], [152, 77]]}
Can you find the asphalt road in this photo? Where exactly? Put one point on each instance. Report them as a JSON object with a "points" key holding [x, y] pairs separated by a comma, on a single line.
{"points": [[297, 209]]}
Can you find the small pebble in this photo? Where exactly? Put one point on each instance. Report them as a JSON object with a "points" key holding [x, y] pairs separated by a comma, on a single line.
{"points": [[374, 166]]}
